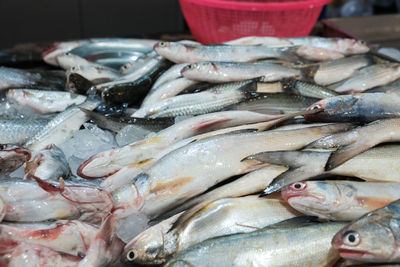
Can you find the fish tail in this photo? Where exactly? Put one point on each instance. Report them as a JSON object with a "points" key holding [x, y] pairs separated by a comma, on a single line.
{"points": [[342, 155], [307, 73]]}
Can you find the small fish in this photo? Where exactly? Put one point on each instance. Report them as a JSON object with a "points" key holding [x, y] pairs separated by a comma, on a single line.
{"points": [[55, 50], [217, 72], [372, 238], [183, 53], [49, 164], [44, 102], [12, 157], [61, 127], [94, 73], [361, 108], [292, 244], [339, 200], [174, 72], [219, 218], [369, 77], [19, 130]]}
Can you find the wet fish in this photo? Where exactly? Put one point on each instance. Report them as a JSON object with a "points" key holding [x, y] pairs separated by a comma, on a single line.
{"points": [[44, 101], [182, 53], [377, 164], [19, 130], [222, 217], [339, 200], [174, 72], [49, 164], [55, 50], [306, 89], [61, 127], [361, 108], [31, 201], [372, 238], [107, 162], [369, 77], [12, 157], [260, 40], [390, 88], [72, 237], [318, 54], [338, 70], [214, 99], [95, 74], [270, 246], [192, 169], [217, 72], [358, 140], [76, 83]]}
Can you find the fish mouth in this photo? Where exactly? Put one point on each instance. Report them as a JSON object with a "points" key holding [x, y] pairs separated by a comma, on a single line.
{"points": [[80, 170], [353, 254], [288, 195]]}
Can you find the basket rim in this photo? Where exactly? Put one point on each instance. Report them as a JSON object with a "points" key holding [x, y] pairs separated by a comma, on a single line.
{"points": [[257, 6]]}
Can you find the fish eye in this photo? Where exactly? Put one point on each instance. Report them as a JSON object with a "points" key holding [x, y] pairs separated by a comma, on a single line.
{"points": [[68, 53], [298, 186], [351, 238], [316, 107], [73, 68], [131, 256], [162, 44]]}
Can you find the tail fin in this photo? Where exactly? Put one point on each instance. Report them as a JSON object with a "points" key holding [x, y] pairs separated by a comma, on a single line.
{"points": [[307, 73]]}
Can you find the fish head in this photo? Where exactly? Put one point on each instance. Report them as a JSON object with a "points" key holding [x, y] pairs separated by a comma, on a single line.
{"points": [[317, 198], [146, 248], [354, 46], [333, 109], [194, 69], [368, 239], [169, 49]]}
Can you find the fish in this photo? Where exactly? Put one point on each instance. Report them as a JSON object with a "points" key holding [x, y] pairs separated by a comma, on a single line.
{"points": [[167, 90], [345, 46], [44, 102], [48, 164], [334, 71], [183, 53], [219, 218], [76, 83], [306, 89], [51, 53], [339, 200], [192, 169], [68, 61], [61, 127], [260, 40], [270, 246], [318, 54], [72, 237], [276, 103], [19, 130], [38, 201], [93, 73], [12, 157], [108, 162], [173, 73], [214, 99], [377, 164], [361, 108], [137, 64], [217, 72], [371, 238], [369, 77], [357, 140]]}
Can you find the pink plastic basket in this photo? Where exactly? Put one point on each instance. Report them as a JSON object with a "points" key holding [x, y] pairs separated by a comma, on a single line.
{"points": [[215, 21]]}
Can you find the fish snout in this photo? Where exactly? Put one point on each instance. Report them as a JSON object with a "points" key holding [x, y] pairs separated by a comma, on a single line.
{"points": [[294, 190]]}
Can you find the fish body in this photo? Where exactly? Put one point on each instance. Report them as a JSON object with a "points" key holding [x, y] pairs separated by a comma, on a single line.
{"points": [[174, 72], [96, 74], [55, 50], [12, 157], [44, 102], [20, 130]]}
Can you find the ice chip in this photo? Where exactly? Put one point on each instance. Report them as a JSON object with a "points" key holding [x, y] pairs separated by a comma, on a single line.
{"points": [[131, 226], [130, 134]]}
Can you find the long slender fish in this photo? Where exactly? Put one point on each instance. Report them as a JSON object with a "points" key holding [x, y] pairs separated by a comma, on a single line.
{"points": [[222, 217], [192, 169], [44, 101], [270, 246], [339, 200], [376, 164], [12, 157], [61, 127], [372, 238]]}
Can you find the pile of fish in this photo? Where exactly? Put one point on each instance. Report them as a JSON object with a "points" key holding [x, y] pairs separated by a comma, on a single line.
{"points": [[260, 151]]}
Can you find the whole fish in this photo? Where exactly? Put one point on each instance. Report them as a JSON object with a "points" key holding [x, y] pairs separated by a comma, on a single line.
{"points": [[30, 201], [338, 70], [214, 99], [12, 157], [166, 90], [339, 200], [61, 127], [366, 107], [358, 140], [44, 101], [217, 72], [372, 238], [20, 130], [222, 217], [342, 45], [95, 74], [48, 164], [369, 77], [72, 237], [182, 53], [192, 169], [106, 163], [270, 246]]}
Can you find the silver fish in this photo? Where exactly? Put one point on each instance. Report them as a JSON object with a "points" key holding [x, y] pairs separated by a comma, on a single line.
{"points": [[20, 130]]}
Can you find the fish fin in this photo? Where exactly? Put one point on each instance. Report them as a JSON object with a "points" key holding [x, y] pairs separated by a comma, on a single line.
{"points": [[48, 187], [107, 228], [285, 158], [295, 222], [333, 141], [343, 154], [307, 73], [290, 176], [104, 122], [209, 123], [290, 54]]}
